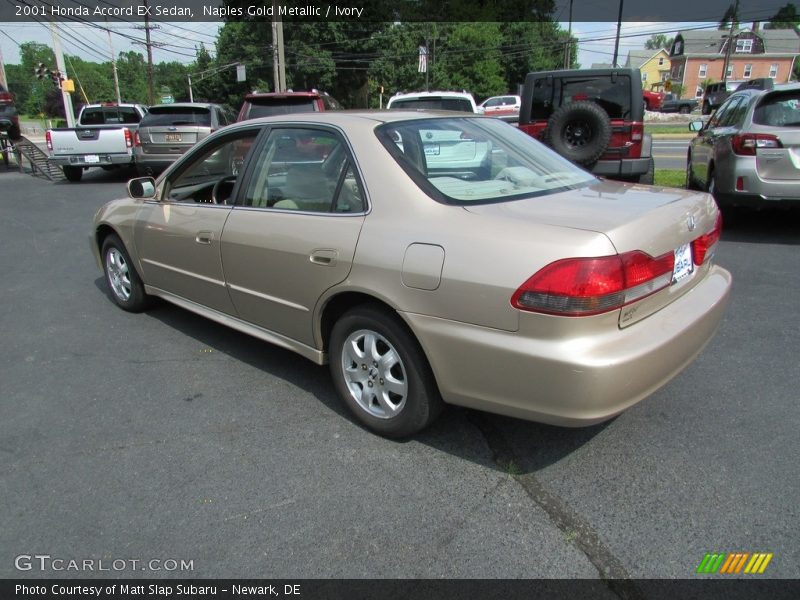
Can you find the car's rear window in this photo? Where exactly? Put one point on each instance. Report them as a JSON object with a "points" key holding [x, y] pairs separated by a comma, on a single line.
{"points": [[110, 115], [467, 160], [433, 103], [267, 107], [780, 109], [612, 93], [177, 115]]}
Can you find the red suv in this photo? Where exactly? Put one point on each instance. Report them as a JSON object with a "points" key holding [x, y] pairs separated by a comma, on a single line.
{"points": [[267, 104], [9, 119]]}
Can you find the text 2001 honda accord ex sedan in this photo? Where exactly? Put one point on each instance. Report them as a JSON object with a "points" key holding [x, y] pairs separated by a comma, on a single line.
{"points": [[428, 258]]}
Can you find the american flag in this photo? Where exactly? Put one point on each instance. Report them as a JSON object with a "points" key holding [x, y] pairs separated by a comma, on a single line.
{"points": [[423, 59]]}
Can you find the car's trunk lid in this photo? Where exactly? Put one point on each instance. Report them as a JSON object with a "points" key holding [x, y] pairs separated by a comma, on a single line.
{"points": [[651, 219]]}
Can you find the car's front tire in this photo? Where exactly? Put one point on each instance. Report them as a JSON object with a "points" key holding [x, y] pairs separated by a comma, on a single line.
{"points": [[381, 373], [124, 284]]}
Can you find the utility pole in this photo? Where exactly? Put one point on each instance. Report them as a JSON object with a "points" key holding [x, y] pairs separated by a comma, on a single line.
{"points": [[568, 49], [150, 94], [3, 80], [278, 60], [616, 41], [113, 64], [731, 41], [66, 98]]}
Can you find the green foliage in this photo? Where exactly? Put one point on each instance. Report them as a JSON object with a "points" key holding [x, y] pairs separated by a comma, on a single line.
{"points": [[658, 41]]}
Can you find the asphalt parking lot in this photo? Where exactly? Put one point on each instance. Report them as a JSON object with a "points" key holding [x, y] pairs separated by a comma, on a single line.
{"points": [[163, 436]]}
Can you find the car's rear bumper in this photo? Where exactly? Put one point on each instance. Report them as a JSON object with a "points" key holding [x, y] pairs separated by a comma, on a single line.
{"points": [[573, 380], [755, 191], [626, 167], [80, 160]]}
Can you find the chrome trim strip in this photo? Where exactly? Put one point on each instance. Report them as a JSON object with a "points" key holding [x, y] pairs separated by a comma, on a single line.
{"points": [[281, 301], [183, 272]]}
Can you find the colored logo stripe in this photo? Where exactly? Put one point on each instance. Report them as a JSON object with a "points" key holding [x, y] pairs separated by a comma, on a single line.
{"points": [[733, 562]]}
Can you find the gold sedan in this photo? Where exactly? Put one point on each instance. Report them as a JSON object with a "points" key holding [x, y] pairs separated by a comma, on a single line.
{"points": [[429, 258]]}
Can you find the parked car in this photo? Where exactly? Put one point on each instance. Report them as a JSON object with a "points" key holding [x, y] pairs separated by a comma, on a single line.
{"points": [[673, 104], [761, 83], [9, 117], [457, 101], [267, 104], [652, 100], [747, 152], [169, 130], [593, 117], [715, 94], [522, 285], [501, 106], [103, 138]]}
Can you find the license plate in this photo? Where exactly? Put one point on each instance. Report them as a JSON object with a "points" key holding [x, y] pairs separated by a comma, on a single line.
{"points": [[431, 149], [173, 137], [683, 263], [91, 158]]}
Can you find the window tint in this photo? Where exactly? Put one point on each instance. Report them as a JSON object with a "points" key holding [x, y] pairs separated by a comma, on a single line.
{"points": [[779, 110], [613, 94], [433, 103], [267, 107], [220, 162], [110, 115], [306, 170], [162, 116], [468, 160]]}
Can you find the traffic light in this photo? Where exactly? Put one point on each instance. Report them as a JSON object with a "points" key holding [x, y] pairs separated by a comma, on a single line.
{"points": [[41, 70], [56, 77]]}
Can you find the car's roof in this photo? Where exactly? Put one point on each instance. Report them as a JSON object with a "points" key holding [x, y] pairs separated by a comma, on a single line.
{"points": [[432, 93], [185, 105], [353, 117], [311, 94]]}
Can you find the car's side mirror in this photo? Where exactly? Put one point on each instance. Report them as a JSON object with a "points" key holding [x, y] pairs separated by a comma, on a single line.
{"points": [[142, 187], [696, 125]]}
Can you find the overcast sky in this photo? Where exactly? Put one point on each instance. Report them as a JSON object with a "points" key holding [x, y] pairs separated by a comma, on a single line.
{"points": [[596, 40]]}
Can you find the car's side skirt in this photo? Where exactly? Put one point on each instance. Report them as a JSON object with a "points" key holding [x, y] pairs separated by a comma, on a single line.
{"points": [[317, 356]]}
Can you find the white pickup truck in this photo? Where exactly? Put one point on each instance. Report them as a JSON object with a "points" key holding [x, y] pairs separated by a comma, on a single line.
{"points": [[104, 137]]}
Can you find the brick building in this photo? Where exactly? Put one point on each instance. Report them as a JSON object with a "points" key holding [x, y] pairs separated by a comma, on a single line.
{"points": [[697, 57]]}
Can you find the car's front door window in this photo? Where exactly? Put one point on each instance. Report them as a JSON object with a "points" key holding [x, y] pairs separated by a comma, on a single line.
{"points": [[211, 176]]}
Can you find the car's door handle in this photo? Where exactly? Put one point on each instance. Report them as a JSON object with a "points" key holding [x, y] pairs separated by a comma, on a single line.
{"points": [[325, 257], [204, 237]]}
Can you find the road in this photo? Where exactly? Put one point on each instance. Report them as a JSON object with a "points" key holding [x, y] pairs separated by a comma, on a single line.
{"points": [[165, 436], [670, 153]]}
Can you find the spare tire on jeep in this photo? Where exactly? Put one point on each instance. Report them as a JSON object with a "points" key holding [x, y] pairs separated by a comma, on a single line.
{"points": [[579, 131]]}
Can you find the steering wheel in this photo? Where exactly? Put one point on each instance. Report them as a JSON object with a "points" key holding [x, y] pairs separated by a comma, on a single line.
{"points": [[229, 181]]}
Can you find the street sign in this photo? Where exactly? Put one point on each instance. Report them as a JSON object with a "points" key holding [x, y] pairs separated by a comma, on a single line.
{"points": [[167, 99]]}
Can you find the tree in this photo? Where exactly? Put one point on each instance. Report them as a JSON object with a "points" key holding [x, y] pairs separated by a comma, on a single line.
{"points": [[729, 19], [658, 41], [785, 18]]}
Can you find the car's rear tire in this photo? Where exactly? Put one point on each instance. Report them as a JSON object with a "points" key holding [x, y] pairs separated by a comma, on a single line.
{"points": [[684, 110], [124, 284], [691, 184], [381, 373], [579, 131], [73, 174]]}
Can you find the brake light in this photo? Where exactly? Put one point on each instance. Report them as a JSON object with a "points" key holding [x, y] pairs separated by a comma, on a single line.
{"points": [[137, 141], [6, 98], [637, 131], [589, 286], [49, 141], [128, 137], [703, 248], [746, 144]]}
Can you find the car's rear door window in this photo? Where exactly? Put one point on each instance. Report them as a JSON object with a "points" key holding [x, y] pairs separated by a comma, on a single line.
{"points": [[165, 116]]}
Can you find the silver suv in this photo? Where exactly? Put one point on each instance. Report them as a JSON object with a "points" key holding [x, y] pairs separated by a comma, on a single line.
{"points": [[748, 154], [169, 130]]}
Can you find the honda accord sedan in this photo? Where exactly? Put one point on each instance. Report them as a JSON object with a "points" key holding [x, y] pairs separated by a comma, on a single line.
{"points": [[429, 259]]}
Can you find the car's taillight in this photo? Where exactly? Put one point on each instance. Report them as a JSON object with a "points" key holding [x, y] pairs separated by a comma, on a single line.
{"points": [[637, 131], [703, 248], [137, 141], [128, 137], [49, 141], [6, 98], [589, 286], [746, 144]]}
